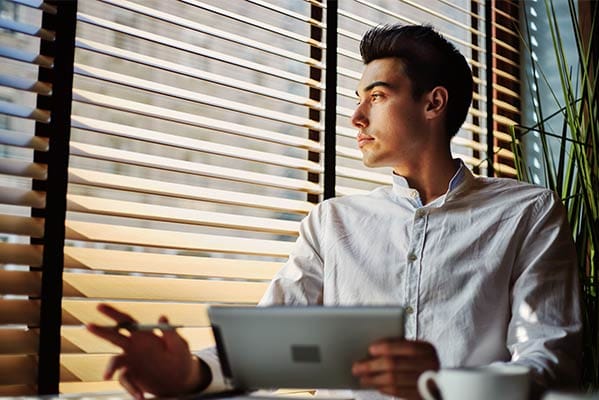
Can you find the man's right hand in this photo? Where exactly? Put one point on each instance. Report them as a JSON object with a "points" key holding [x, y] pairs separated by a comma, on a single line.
{"points": [[158, 364]]}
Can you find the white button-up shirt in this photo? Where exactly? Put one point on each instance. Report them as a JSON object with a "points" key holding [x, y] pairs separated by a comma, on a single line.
{"points": [[488, 271]]}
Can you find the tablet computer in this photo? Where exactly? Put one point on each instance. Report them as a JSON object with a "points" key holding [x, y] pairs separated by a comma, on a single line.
{"points": [[298, 347]]}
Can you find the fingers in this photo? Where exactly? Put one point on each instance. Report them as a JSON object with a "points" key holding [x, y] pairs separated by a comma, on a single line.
{"points": [[110, 334], [114, 364], [111, 312], [401, 347], [125, 377], [127, 381], [395, 364]]}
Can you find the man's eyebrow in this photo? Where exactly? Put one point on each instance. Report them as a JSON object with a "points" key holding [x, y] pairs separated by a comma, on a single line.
{"points": [[375, 84]]}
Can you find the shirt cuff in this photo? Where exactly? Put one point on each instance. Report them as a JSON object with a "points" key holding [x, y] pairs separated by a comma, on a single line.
{"points": [[218, 383]]}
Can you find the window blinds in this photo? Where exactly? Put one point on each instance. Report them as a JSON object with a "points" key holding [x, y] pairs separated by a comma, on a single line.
{"points": [[20, 285], [189, 163]]}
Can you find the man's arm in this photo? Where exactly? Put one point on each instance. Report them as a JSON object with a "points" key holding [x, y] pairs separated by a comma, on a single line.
{"points": [[545, 329]]}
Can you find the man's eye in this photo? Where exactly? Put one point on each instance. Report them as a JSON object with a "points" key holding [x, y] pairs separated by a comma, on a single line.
{"points": [[375, 96]]}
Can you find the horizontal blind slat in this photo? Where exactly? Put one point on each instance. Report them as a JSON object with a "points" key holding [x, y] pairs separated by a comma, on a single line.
{"points": [[197, 50], [27, 29], [25, 140], [255, 23], [18, 390], [21, 254], [426, 10], [39, 4], [287, 12], [501, 119], [213, 32], [87, 231], [95, 205], [165, 289], [76, 388], [30, 85], [345, 190], [183, 94], [26, 312], [21, 111], [23, 168], [18, 369], [150, 186], [363, 175], [24, 283], [26, 56], [193, 119], [78, 312], [194, 73], [503, 136], [154, 263], [77, 340], [19, 341], [17, 225], [349, 152], [147, 160], [88, 367], [371, 24], [22, 197], [504, 105], [186, 143]]}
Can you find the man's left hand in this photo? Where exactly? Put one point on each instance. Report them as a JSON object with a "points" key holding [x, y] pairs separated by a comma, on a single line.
{"points": [[395, 365]]}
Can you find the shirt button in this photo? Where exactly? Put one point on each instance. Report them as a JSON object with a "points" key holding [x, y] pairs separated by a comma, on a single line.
{"points": [[409, 310], [412, 257], [420, 213]]}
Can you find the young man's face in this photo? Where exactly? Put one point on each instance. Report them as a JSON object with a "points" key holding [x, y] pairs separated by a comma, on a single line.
{"points": [[392, 129]]}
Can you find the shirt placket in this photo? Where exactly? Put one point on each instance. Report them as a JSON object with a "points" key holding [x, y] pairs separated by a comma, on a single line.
{"points": [[413, 272]]}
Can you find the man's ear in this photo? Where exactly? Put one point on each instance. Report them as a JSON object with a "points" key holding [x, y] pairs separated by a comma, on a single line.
{"points": [[436, 101]]}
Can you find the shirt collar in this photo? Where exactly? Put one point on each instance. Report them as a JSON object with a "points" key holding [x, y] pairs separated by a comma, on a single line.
{"points": [[402, 189]]}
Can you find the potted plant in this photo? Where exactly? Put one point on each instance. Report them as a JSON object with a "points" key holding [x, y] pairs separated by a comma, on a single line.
{"points": [[568, 156]]}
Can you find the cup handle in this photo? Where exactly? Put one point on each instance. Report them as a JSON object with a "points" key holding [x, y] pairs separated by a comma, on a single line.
{"points": [[423, 381]]}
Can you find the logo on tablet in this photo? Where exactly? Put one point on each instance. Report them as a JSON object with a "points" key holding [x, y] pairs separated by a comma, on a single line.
{"points": [[305, 353]]}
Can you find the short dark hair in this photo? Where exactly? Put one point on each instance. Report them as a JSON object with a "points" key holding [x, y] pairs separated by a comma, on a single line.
{"points": [[429, 61]]}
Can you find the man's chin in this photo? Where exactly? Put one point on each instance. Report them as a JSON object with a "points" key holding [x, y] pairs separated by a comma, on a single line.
{"points": [[369, 163]]}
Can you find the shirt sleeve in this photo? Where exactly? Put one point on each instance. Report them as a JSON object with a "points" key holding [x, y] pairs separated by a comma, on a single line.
{"points": [[298, 282], [544, 333]]}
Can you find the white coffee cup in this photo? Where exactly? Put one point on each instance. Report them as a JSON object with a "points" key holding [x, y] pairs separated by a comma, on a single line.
{"points": [[494, 382]]}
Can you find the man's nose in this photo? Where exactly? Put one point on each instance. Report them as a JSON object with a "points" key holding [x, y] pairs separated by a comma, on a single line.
{"points": [[358, 118]]}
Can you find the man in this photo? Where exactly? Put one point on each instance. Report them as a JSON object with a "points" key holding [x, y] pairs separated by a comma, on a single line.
{"points": [[484, 266]]}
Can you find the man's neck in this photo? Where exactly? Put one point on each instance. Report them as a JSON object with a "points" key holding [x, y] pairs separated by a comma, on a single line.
{"points": [[430, 178]]}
